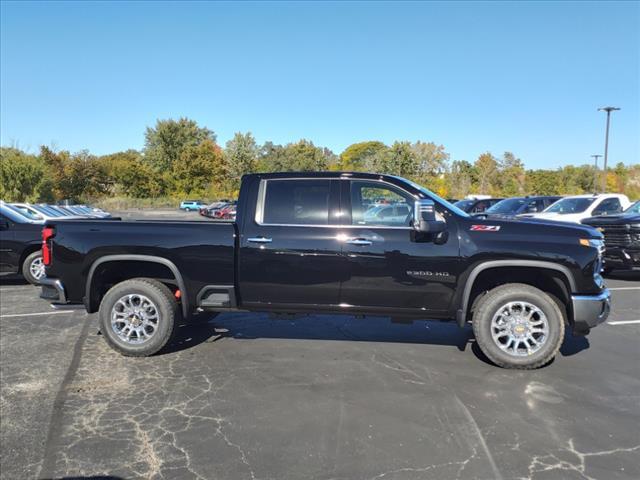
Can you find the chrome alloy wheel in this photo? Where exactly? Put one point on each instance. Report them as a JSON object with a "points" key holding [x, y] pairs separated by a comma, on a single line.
{"points": [[37, 268], [519, 328], [134, 318]]}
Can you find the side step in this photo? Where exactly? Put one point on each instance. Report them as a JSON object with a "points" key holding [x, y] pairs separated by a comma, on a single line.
{"points": [[217, 296]]}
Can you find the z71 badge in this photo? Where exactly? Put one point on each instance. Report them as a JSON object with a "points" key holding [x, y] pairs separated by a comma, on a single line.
{"points": [[485, 228]]}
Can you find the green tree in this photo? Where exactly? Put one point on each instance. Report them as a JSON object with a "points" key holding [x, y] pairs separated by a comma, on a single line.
{"points": [[165, 142], [22, 177], [460, 178], [356, 156], [241, 155], [200, 168], [512, 176], [76, 176], [399, 159], [486, 167], [302, 156], [543, 182], [129, 175], [432, 160]]}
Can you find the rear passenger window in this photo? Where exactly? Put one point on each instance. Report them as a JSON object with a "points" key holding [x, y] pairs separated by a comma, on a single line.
{"points": [[296, 202]]}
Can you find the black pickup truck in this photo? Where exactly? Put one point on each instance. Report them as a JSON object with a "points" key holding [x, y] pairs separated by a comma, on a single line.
{"points": [[621, 238], [329, 243]]}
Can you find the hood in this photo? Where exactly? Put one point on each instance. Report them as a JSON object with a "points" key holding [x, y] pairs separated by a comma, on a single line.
{"points": [[622, 218], [559, 217]]}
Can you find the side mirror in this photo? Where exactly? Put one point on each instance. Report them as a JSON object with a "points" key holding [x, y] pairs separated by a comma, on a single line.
{"points": [[424, 217], [4, 225]]}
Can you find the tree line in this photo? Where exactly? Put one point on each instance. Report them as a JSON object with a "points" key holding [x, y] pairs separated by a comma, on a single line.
{"points": [[181, 159]]}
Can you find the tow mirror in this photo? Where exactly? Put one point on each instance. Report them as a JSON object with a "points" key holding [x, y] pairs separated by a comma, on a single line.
{"points": [[424, 217]]}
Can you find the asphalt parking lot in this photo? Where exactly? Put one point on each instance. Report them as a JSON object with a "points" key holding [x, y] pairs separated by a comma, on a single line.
{"points": [[248, 396], [319, 397]]}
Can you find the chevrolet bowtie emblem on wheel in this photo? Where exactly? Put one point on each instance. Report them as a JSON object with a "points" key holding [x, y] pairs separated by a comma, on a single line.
{"points": [[485, 228]]}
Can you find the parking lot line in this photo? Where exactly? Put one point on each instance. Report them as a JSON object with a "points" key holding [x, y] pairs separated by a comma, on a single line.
{"points": [[56, 312], [624, 288], [623, 322]]}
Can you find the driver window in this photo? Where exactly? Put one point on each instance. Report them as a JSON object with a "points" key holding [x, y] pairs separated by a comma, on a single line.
{"points": [[376, 204]]}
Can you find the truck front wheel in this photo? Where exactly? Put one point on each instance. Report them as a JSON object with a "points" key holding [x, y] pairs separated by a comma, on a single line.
{"points": [[518, 326], [137, 316]]}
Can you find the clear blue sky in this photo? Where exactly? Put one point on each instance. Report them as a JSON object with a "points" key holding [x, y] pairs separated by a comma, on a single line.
{"points": [[475, 77]]}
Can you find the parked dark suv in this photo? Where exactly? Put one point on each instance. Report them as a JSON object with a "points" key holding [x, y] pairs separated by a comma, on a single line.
{"points": [[621, 238], [20, 241]]}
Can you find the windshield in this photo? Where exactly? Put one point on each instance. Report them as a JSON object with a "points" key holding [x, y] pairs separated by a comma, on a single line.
{"points": [[25, 212], [453, 207], [635, 208], [570, 205], [510, 205], [47, 211]]}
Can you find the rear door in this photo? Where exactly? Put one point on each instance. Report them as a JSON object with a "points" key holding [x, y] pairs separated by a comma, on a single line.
{"points": [[386, 266], [289, 253]]}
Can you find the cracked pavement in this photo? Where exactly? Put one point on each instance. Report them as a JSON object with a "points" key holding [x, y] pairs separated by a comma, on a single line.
{"points": [[245, 396]]}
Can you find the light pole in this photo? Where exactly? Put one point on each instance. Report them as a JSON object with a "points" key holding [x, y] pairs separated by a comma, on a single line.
{"points": [[595, 173], [606, 144]]}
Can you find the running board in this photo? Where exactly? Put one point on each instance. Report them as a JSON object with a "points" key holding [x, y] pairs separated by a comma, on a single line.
{"points": [[216, 296]]}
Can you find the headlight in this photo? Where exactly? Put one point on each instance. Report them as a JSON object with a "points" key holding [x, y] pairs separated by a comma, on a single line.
{"points": [[592, 242], [598, 264]]}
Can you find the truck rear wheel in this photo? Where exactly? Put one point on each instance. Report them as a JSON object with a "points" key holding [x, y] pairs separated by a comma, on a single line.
{"points": [[518, 326], [137, 316]]}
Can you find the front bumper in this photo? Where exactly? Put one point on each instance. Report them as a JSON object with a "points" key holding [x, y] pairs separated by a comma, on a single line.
{"points": [[590, 310], [53, 290], [622, 258]]}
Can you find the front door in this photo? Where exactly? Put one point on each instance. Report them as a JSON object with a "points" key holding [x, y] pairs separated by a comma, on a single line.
{"points": [[289, 253], [8, 251], [388, 265]]}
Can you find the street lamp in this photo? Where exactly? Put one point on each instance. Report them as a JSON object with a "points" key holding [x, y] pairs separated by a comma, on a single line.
{"points": [[595, 173], [606, 144]]}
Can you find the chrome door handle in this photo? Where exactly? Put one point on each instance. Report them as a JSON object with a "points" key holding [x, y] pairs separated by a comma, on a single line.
{"points": [[259, 240], [358, 241]]}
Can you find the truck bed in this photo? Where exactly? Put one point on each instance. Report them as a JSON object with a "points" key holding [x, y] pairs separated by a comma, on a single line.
{"points": [[202, 252]]}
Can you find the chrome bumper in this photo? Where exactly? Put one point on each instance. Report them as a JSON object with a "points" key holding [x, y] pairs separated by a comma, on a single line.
{"points": [[52, 290], [590, 310]]}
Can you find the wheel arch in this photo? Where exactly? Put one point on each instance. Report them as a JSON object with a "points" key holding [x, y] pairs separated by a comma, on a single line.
{"points": [[564, 274], [28, 250], [90, 292]]}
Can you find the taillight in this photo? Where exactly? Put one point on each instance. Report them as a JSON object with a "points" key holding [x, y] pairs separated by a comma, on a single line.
{"points": [[47, 233]]}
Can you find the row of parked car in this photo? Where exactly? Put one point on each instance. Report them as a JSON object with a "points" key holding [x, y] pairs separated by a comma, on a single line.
{"points": [[21, 234], [613, 214], [220, 210]]}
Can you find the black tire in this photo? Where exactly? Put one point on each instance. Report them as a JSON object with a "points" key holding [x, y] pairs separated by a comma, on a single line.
{"points": [[26, 267], [165, 304], [491, 304]]}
